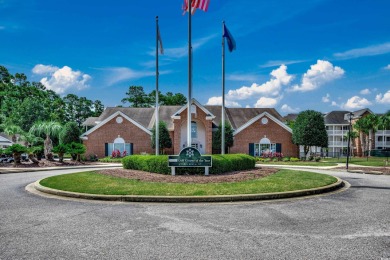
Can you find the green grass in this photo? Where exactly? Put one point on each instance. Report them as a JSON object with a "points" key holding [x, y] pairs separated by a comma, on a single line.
{"points": [[370, 161], [95, 183], [300, 163]]}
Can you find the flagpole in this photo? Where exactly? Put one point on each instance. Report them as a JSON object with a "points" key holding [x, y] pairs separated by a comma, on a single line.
{"points": [[223, 94], [189, 139], [157, 126]]}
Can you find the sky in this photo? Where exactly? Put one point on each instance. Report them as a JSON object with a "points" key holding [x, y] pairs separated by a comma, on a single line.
{"points": [[323, 55]]}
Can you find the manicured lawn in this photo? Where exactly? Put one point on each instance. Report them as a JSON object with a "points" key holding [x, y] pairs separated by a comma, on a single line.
{"points": [[95, 183], [300, 163]]}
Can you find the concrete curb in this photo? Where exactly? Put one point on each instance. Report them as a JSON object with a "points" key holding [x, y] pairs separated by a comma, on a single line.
{"points": [[186, 199]]}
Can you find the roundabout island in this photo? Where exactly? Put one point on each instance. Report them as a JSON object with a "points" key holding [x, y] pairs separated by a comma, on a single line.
{"points": [[129, 185]]}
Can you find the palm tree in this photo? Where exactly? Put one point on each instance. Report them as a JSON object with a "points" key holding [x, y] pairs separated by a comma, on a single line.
{"points": [[372, 125], [48, 128], [12, 130], [361, 127], [384, 123]]}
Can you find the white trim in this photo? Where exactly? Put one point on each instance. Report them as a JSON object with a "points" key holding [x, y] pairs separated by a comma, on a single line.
{"points": [[194, 101], [117, 113], [253, 120]]}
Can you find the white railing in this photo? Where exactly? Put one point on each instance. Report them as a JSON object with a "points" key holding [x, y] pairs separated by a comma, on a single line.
{"points": [[336, 132], [382, 132], [337, 143]]}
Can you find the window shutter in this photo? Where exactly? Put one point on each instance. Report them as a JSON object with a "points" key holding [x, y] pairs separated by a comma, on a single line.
{"points": [[278, 148], [252, 149], [131, 148], [106, 149]]}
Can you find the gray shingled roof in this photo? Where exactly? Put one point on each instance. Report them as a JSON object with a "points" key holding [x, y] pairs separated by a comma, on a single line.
{"points": [[90, 121], [165, 113], [145, 116], [141, 115], [239, 116], [290, 117], [336, 118]]}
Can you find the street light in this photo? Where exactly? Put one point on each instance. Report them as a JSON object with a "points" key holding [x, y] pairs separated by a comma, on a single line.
{"points": [[350, 115]]}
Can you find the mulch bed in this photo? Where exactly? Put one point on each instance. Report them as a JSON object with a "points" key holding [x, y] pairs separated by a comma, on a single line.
{"points": [[44, 163], [155, 177]]}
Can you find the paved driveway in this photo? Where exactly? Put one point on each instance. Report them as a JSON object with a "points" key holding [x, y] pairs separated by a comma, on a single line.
{"points": [[354, 224]]}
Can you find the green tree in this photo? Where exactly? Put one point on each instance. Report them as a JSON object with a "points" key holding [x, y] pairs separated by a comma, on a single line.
{"points": [[372, 123], [76, 149], [176, 99], [217, 137], [163, 137], [361, 127], [49, 128], [137, 97], [70, 133], [12, 130], [16, 150], [60, 149], [309, 130]]}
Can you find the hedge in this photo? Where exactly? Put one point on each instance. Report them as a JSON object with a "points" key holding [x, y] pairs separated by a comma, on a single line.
{"points": [[159, 164]]}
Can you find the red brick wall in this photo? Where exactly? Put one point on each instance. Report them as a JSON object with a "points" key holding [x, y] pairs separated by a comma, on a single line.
{"points": [[110, 131], [200, 117], [256, 131]]}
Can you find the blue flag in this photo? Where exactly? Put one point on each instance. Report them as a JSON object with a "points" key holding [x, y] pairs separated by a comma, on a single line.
{"points": [[230, 40]]}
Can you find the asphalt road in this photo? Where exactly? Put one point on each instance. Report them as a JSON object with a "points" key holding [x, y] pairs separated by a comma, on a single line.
{"points": [[353, 224]]}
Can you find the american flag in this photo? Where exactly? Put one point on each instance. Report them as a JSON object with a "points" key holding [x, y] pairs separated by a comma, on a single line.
{"points": [[200, 4]]}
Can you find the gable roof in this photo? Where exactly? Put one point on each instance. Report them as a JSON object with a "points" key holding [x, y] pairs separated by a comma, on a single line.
{"points": [[109, 118], [141, 115], [194, 102], [254, 119], [336, 118], [5, 141], [240, 116]]}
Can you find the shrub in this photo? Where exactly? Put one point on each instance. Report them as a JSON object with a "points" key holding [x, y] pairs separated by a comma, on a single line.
{"points": [[108, 159], [159, 164], [294, 159], [286, 159], [317, 159]]}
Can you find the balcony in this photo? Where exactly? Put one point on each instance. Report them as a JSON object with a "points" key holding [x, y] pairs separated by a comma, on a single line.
{"points": [[337, 144], [336, 132]]}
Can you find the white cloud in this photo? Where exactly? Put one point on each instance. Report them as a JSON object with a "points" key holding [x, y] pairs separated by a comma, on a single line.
{"points": [[317, 75], [334, 104], [365, 92], [61, 79], [120, 74], [279, 78], [41, 69], [356, 102], [275, 63], [326, 99], [181, 52], [271, 88], [387, 67], [266, 102], [242, 77], [287, 109], [372, 50], [217, 101], [383, 99]]}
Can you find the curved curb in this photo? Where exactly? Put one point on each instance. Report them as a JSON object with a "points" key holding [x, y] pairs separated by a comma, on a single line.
{"points": [[185, 199]]}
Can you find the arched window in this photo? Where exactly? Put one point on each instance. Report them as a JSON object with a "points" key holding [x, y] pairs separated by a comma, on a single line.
{"points": [[194, 130], [119, 144], [265, 145]]}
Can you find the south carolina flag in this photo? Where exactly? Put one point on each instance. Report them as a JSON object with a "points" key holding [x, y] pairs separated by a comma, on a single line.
{"points": [[230, 40]]}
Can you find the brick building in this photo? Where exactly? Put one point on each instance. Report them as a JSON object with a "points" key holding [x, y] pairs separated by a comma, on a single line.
{"points": [[256, 130]]}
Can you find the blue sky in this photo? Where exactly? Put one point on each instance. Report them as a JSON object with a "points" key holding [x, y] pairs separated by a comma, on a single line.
{"points": [[291, 55]]}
